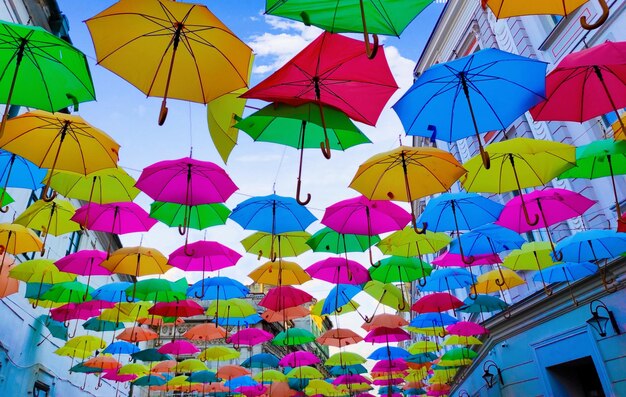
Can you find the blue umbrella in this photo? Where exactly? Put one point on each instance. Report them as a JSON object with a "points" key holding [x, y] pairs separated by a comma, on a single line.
{"points": [[261, 360], [348, 370], [121, 347], [215, 288], [202, 377], [447, 279], [568, 272], [592, 246], [239, 381], [388, 353], [433, 320], [486, 239], [339, 295], [16, 171], [421, 358], [112, 292], [415, 392], [482, 92], [272, 214], [239, 321], [150, 355], [483, 303], [389, 390]]}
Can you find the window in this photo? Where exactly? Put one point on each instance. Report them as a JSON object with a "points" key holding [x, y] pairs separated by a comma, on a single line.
{"points": [[40, 389], [74, 242]]}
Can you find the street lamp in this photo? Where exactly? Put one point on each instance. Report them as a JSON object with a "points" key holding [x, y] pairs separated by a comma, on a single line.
{"points": [[599, 322], [490, 379]]}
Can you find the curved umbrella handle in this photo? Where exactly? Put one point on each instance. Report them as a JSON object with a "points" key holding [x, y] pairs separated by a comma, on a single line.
{"points": [[201, 293], [403, 306], [558, 255], [530, 222], [605, 15], [182, 229], [163, 112], [4, 210], [422, 281], [132, 298], [473, 294], [338, 309], [468, 260], [500, 283], [273, 257], [485, 157], [371, 49], [325, 146], [442, 334], [375, 265], [189, 253], [45, 197], [423, 231], [308, 195]]}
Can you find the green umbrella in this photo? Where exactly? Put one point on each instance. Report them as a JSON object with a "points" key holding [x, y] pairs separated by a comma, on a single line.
{"points": [[289, 244], [328, 240], [200, 216], [344, 358], [459, 353], [68, 292], [159, 290], [40, 70], [301, 127], [599, 159], [293, 337], [5, 199], [57, 328], [400, 269], [105, 186], [388, 17]]}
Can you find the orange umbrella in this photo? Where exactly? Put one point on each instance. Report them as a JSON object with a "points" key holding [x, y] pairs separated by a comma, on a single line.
{"points": [[103, 362], [280, 389], [385, 320], [339, 337], [287, 314], [165, 366], [215, 387], [137, 334], [231, 371], [8, 285], [208, 331]]}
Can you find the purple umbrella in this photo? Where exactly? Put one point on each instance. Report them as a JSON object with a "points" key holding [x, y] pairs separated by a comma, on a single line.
{"points": [[178, 347], [350, 379], [386, 335], [339, 270], [360, 215], [298, 359], [249, 337], [116, 218], [203, 256], [84, 263]]}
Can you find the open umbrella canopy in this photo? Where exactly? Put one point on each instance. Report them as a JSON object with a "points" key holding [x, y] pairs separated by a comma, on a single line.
{"points": [[203, 256], [199, 217], [511, 8], [385, 320], [53, 217], [158, 290], [233, 307], [436, 302], [221, 288], [117, 218], [287, 244], [497, 280], [592, 245], [109, 185], [400, 269], [328, 240], [299, 358], [345, 358], [261, 360], [16, 171], [285, 296], [272, 214], [219, 353], [483, 303], [339, 337], [279, 273], [387, 294], [459, 211], [338, 270], [136, 261], [305, 372], [249, 337], [338, 297], [293, 337], [18, 239], [206, 331], [407, 243], [178, 347]]}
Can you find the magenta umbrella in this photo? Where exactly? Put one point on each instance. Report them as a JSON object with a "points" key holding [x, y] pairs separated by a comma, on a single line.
{"points": [[359, 215], [339, 270], [390, 382], [283, 297], [456, 260], [299, 359], [436, 303], [203, 256], [73, 311], [178, 347], [251, 391], [350, 379], [84, 263], [386, 335], [397, 365], [466, 328], [249, 337], [550, 206]]}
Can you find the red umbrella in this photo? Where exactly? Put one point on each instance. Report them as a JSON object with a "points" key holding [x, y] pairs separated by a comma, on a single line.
{"points": [[183, 308], [436, 303], [333, 71], [283, 297], [586, 84]]}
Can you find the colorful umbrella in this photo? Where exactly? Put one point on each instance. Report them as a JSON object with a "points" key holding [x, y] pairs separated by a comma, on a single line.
{"points": [[41, 70], [436, 302], [293, 337], [114, 218], [299, 358], [137, 334], [289, 244], [19, 173], [261, 360], [338, 270], [249, 337], [284, 296], [508, 8], [532, 256], [17, 239], [279, 273], [407, 174], [217, 288], [339, 337], [59, 142], [302, 127], [199, 216], [206, 332], [211, 61], [332, 71], [105, 186], [178, 347], [434, 106], [8, 286], [222, 113], [328, 240]]}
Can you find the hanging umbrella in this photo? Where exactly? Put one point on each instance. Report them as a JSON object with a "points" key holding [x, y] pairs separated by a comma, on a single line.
{"points": [[488, 239], [483, 303], [59, 142], [52, 217], [102, 187], [17, 172], [284, 296], [8, 286], [377, 17], [249, 337], [261, 360], [466, 328], [331, 71], [222, 113], [436, 302], [508, 8], [203, 256], [200, 217], [568, 272], [339, 337], [385, 320], [217, 288], [497, 281], [84, 263], [231, 371], [39, 271], [289, 244], [328, 240], [121, 347], [453, 340], [114, 218], [338, 297], [293, 337], [302, 127], [158, 290], [532, 256], [344, 358], [137, 334], [448, 259], [305, 372], [360, 215], [317, 307], [318, 387], [392, 354], [407, 174], [299, 358], [183, 308], [68, 292], [434, 106], [41, 70], [386, 294], [400, 269], [272, 214], [17, 239], [112, 292], [448, 279], [279, 273], [268, 376], [178, 347], [600, 159], [337, 270], [211, 61]]}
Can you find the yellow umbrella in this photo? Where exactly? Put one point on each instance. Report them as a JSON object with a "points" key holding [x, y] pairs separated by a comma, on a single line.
{"points": [[218, 353], [270, 375], [190, 365], [17, 239], [387, 294], [305, 372], [59, 141], [517, 164], [133, 369], [170, 50], [497, 280], [461, 340], [72, 352], [423, 346], [105, 186], [289, 244], [318, 386], [50, 217], [430, 331], [280, 273], [532, 256], [406, 174], [86, 342]]}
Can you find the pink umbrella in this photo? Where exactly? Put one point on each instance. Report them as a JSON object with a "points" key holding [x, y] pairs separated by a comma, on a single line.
{"points": [[349, 379], [249, 337], [436, 303], [397, 365], [283, 297], [177, 308], [114, 376], [339, 270], [178, 347], [251, 391], [73, 311], [389, 382], [203, 256], [298, 359], [84, 263], [116, 218], [451, 260], [359, 215], [386, 335], [466, 328], [550, 206]]}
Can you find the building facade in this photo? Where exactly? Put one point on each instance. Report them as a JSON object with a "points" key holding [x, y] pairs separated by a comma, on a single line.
{"points": [[543, 346], [28, 366]]}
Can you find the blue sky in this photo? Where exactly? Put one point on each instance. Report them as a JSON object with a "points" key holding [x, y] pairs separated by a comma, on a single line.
{"points": [[131, 118]]}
